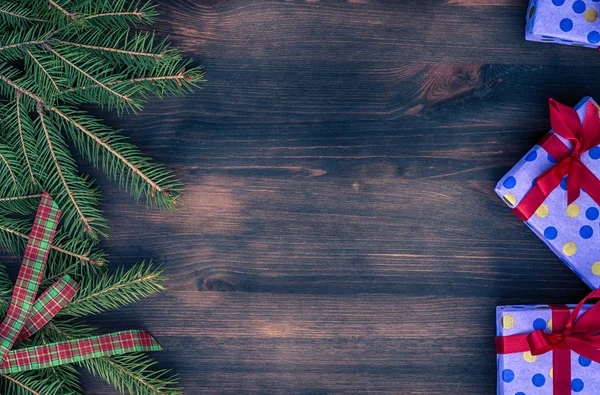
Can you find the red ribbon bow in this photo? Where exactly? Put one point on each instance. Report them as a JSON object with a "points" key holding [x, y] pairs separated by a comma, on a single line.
{"points": [[566, 124], [568, 334]]}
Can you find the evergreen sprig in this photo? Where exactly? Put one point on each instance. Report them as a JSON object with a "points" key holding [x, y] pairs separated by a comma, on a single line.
{"points": [[57, 55], [111, 291]]}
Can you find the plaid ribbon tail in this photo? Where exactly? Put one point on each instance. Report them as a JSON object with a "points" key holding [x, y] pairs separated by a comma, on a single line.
{"points": [[30, 273], [54, 354], [48, 304]]}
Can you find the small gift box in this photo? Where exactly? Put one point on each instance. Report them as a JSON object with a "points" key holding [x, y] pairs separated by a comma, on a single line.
{"points": [[555, 189], [569, 22], [548, 349]]}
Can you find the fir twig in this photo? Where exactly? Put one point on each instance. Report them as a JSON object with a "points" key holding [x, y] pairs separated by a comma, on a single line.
{"points": [[21, 385], [21, 138], [112, 291], [79, 257], [43, 69], [9, 10], [87, 75], [12, 175], [53, 3], [16, 198], [21, 44], [59, 171], [109, 49]]}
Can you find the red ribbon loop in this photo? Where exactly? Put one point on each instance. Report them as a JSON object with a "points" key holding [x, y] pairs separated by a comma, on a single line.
{"points": [[566, 124], [571, 332], [541, 342]]}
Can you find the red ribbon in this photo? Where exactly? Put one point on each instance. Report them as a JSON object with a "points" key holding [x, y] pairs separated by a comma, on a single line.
{"points": [[568, 334], [565, 123]]}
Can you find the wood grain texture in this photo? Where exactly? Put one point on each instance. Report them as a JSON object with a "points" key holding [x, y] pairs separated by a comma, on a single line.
{"points": [[340, 233]]}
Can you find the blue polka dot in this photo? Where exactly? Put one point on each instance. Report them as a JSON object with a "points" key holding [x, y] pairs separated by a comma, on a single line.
{"points": [[594, 37], [558, 3], [577, 385], [583, 361], [538, 380], [550, 233], [531, 156], [508, 375], [579, 7], [510, 182], [592, 213], [586, 232], [563, 183], [520, 393], [566, 25], [551, 159], [595, 153], [539, 324]]}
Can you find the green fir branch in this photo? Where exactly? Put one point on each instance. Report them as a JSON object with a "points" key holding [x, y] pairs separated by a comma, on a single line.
{"points": [[112, 291], [14, 13], [14, 234], [27, 383], [57, 169], [134, 374]]}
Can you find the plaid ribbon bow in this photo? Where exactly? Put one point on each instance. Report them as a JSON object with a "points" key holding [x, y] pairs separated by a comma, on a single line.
{"points": [[26, 314]]}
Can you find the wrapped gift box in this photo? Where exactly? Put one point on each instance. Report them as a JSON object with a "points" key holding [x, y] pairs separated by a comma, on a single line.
{"points": [[525, 374], [572, 231], [569, 22]]}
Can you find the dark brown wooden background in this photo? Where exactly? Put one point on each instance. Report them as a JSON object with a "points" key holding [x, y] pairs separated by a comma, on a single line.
{"points": [[340, 233]]}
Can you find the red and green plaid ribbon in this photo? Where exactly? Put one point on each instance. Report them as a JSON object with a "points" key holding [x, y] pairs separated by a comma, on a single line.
{"points": [[48, 305], [26, 314]]}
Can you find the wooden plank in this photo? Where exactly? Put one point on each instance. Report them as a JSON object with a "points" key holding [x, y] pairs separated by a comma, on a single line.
{"points": [[383, 31], [240, 234], [298, 343]]}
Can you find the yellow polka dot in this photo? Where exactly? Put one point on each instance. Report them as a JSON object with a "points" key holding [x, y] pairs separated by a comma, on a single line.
{"points": [[542, 211], [551, 374], [528, 357], [532, 11], [573, 210], [590, 15], [596, 268], [569, 249], [550, 324], [510, 199], [508, 321]]}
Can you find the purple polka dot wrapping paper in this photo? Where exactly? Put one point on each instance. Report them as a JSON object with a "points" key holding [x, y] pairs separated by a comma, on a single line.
{"points": [[568, 22], [572, 231], [526, 374]]}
